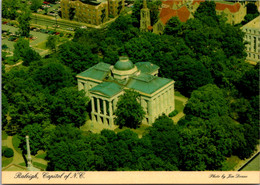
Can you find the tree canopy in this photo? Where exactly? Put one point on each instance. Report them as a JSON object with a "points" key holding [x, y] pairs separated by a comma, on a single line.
{"points": [[129, 111]]}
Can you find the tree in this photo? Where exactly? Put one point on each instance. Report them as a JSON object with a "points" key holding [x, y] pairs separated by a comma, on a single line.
{"points": [[173, 27], [52, 42], [207, 101], [24, 21], [139, 49], [248, 85], [67, 150], [69, 106], [29, 109], [21, 47], [9, 9], [30, 56], [206, 12], [5, 109], [129, 111], [53, 76], [77, 56], [164, 140], [189, 75], [36, 4], [36, 134]]}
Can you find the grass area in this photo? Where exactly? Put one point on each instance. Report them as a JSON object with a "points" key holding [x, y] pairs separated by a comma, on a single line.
{"points": [[254, 165], [4, 135], [230, 163], [140, 131], [22, 164], [177, 93], [41, 156], [41, 45], [6, 161], [16, 141], [39, 165], [179, 106]]}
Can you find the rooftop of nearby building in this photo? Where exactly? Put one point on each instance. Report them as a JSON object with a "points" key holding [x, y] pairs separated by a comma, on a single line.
{"points": [[233, 8], [167, 13], [255, 23]]}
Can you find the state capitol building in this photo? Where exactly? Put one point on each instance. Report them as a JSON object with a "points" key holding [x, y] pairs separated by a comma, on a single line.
{"points": [[104, 83]]}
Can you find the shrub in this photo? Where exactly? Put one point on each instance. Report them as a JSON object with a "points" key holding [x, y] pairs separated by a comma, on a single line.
{"points": [[173, 113], [8, 152]]}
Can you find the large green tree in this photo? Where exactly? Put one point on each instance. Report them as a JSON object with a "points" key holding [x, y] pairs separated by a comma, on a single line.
{"points": [[23, 51], [189, 75], [129, 111], [77, 56], [207, 101], [36, 4], [24, 21], [53, 76], [69, 106]]}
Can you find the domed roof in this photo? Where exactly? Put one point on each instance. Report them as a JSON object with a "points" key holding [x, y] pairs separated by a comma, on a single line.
{"points": [[124, 64]]}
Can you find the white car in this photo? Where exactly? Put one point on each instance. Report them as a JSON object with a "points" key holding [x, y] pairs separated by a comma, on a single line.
{"points": [[83, 27]]}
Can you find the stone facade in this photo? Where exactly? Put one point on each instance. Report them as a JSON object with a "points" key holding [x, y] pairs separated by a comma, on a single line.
{"points": [[104, 83], [252, 36], [93, 12], [145, 21]]}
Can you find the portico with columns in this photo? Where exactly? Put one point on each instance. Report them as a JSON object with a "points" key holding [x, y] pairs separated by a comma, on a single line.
{"points": [[105, 83]]}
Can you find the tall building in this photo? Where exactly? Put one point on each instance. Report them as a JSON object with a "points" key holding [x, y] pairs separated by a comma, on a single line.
{"points": [[104, 83], [252, 36], [145, 21], [93, 12]]}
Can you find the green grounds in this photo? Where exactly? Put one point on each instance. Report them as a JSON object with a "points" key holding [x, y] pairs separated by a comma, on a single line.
{"points": [[254, 165], [179, 105], [16, 141], [140, 131], [6, 161], [230, 163]]}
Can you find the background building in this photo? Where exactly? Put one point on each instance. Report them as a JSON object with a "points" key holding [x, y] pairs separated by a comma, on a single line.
{"points": [[104, 83], [252, 36], [93, 12], [184, 10]]}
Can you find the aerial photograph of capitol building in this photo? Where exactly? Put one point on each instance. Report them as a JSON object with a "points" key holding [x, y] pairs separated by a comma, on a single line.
{"points": [[130, 85]]}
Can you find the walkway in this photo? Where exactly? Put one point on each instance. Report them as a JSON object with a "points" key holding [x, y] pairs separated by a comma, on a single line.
{"points": [[180, 114]]}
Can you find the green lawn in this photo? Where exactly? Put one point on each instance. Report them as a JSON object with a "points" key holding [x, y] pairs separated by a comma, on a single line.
{"points": [[22, 164], [41, 156], [179, 106], [6, 161], [140, 131], [39, 165], [4, 135], [254, 165], [177, 93], [230, 163], [16, 141]]}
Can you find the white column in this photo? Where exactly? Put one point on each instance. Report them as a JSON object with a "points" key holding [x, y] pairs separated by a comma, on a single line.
{"points": [[98, 111], [105, 107], [111, 121], [92, 104]]}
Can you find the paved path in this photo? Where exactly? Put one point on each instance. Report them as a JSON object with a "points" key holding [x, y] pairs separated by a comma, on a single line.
{"points": [[184, 100]]}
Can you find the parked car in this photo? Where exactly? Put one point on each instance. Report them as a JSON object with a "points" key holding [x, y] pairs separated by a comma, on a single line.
{"points": [[71, 29], [83, 27]]}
